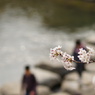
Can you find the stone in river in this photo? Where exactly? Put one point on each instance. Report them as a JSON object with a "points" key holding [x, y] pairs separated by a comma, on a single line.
{"points": [[53, 66], [15, 89], [45, 77], [72, 76], [91, 39], [70, 86], [87, 78], [11, 89], [74, 86], [90, 67], [60, 93], [43, 90]]}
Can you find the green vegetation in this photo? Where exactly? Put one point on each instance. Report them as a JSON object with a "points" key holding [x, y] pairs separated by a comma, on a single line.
{"points": [[58, 13], [86, 6]]}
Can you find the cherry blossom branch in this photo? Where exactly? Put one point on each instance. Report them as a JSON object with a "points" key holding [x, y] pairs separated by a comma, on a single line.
{"points": [[78, 62], [84, 57], [67, 60], [91, 61]]}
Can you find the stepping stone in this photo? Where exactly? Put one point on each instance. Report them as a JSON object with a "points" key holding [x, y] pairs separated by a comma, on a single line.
{"points": [[54, 66], [90, 67], [91, 39], [45, 77], [61, 93], [72, 76], [43, 90], [87, 78], [70, 86], [11, 89], [15, 89]]}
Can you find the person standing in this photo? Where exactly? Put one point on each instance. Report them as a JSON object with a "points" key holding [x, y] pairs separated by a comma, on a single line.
{"points": [[29, 82], [80, 67]]}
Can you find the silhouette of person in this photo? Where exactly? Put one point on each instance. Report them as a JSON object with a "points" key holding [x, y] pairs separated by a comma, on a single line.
{"points": [[80, 67], [29, 82]]}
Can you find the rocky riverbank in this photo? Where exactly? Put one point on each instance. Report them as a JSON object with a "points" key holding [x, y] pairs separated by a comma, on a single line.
{"points": [[52, 83], [53, 79]]}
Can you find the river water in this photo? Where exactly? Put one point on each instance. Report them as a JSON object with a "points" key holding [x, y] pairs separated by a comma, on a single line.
{"points": [[25, 40]]}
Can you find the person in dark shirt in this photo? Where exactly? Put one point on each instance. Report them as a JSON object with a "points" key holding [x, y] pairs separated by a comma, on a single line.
{"points": [[80, 67], [29, 82]]}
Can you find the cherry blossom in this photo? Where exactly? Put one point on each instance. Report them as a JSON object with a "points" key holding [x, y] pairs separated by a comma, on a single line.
{"points": [[84, 55], [67, 61], [55, 53], [65, 58], [68, 66]]}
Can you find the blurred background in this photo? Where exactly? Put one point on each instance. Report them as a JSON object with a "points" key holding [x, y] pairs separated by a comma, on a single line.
{"points": [[29, 28]]}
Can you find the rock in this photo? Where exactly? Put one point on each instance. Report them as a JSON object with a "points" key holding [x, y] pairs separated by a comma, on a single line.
{"points": [[61, 93], [90, 67], [43, 90], [74, 88], [45, 77], [83, 86], [91, 39], [72, 76], [87, 90], [54, 67], [87, 85], [0, 91], [87, 78], [11, 89], [15, 89], [70, 86]]}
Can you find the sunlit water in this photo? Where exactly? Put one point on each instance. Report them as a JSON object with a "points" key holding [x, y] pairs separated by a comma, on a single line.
{"points": [[26, 40]]}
